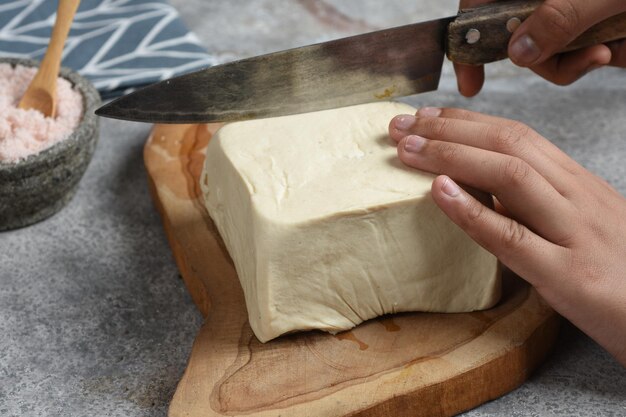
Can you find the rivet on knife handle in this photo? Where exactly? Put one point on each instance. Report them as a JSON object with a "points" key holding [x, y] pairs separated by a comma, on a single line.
{"points": [[481, 35]]}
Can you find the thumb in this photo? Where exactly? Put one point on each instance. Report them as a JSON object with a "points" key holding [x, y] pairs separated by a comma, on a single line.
{"points": [[554, 25]]}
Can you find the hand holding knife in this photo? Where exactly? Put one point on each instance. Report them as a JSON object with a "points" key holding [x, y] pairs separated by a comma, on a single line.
{"points": [[550, 27], [380, 65]]}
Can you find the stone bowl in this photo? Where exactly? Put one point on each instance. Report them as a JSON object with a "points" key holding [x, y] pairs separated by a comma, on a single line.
{"points": [[38, 186]]}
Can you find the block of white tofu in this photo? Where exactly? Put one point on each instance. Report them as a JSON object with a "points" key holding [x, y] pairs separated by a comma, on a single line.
{"points": [[327, 228]]}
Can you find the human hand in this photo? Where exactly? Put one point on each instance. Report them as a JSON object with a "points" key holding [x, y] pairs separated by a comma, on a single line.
{"points": [[535, 44], [555, 224]]}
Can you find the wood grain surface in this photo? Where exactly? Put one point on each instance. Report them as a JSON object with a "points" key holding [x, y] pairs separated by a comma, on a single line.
{"points": [[402, 365]]}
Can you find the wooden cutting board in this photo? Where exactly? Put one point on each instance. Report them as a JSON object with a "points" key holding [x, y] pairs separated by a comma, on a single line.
{"points": [[401, 365]]}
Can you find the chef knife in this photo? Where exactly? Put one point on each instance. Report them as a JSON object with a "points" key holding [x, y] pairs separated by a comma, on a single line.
{"points": [[374, 66]]}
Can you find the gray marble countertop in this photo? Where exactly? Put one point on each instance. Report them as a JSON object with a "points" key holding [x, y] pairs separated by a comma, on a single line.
{"points": [[94, 320]]}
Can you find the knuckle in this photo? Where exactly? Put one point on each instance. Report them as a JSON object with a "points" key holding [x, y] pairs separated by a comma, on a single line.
{"points": [[447, 153], [475, 212], [438, 126], [475, 216], [521, 129], [513, 235], [563, 19], [505, 139], [514, 172], [463, 114]]}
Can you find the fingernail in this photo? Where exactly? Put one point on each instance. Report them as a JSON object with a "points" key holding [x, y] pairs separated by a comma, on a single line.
{"points": [[404, 122], [429, 112], [524, 51], [414, 144], [450, 188]]}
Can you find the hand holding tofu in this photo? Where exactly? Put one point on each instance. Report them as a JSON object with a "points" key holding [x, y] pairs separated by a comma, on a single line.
{"points": [[556, 224]]}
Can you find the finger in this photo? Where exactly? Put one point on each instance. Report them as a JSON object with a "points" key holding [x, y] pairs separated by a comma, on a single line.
{"points": [[488, 133], [538, 141], [564, 69], [469, 79], [555, 24], [523, 191], [542, 144], [618, 53], [517, 130], [426, 117], [401, 125], [517, 247]]}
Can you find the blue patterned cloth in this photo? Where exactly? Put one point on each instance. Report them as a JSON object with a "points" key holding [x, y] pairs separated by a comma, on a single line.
{"points": [[117, 44]]}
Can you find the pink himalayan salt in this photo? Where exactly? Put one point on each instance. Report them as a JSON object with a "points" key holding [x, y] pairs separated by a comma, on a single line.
{"points": [[27, 132]]}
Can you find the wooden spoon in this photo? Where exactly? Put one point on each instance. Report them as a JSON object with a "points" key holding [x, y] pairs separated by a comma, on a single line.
{"points": [[42, 92]]}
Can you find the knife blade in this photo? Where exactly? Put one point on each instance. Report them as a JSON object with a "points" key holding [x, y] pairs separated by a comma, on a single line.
{"points": [[363, 68], [380, 65]]}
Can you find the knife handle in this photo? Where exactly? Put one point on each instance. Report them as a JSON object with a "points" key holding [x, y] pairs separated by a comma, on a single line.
{"points": [[481, 35]]}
